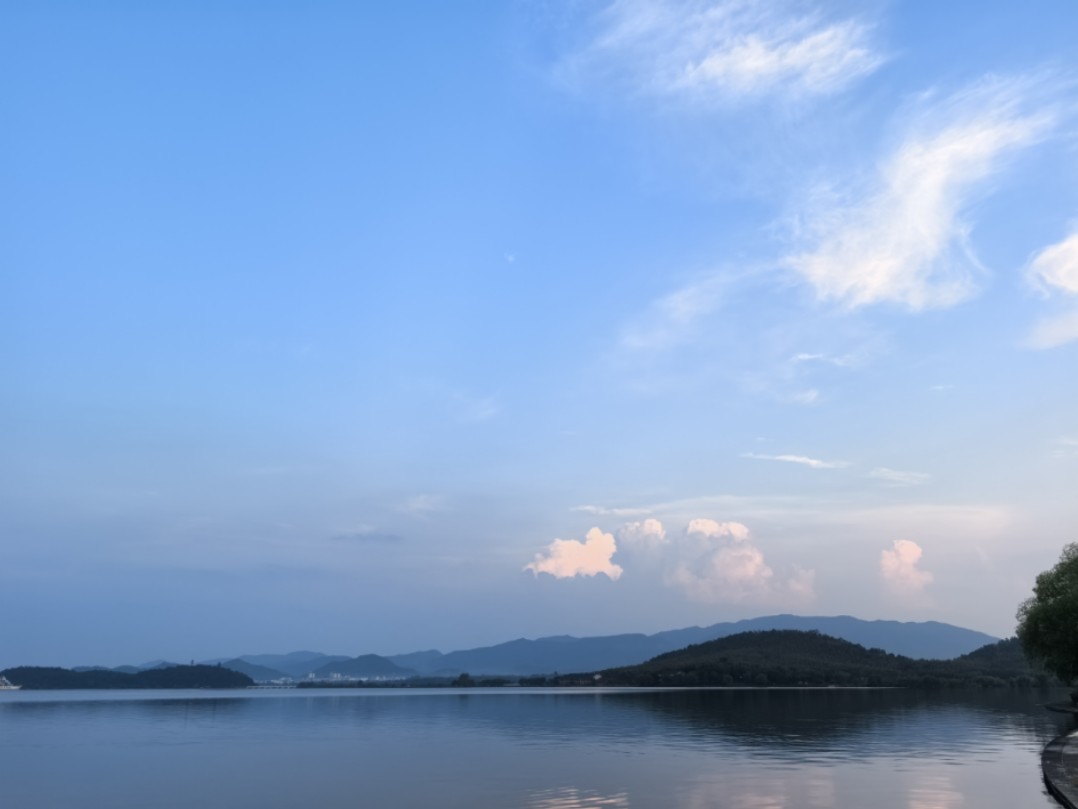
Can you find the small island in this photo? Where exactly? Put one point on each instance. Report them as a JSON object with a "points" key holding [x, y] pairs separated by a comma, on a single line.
{"points": [[41, 678]]}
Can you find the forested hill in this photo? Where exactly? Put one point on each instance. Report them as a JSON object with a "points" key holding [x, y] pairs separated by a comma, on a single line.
{"points": [[793, 658], [42, 678]]}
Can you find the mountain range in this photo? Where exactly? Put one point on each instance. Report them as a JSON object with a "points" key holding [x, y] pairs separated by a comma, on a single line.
{"points": [[930, 640]]}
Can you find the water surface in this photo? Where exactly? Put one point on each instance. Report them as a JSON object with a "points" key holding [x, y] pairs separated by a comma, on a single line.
{"points": [[537, 748]]}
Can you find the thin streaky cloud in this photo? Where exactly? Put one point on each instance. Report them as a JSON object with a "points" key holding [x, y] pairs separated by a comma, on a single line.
{"points": [[725, 51], [475, 408], [843, 361], [803, 460], [374, 537], [897, 477], [423, 504], [1054, 331], [901, 237], [1055, 268], [604, 511], [674, 318], [805, 397], [1066, 447], [1054, 271]]}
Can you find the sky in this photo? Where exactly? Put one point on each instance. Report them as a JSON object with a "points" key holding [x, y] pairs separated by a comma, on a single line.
{"points": [[377, 327]]}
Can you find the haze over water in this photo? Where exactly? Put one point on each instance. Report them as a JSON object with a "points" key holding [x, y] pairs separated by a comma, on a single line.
{"points": [[541, 749]]}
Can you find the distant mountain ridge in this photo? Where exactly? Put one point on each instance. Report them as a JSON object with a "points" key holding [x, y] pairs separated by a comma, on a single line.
{"points": [[565, 653], [372, 667], [931, 640]]}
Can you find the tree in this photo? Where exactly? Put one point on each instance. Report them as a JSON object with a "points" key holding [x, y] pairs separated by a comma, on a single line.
{"points": [[1048, 621]]}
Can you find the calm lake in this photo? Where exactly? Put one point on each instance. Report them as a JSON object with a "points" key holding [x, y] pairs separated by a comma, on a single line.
{"points": [[508, 747]]}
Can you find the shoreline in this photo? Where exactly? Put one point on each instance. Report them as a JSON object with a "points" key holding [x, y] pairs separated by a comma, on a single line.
{"points": [[1059, 761]]}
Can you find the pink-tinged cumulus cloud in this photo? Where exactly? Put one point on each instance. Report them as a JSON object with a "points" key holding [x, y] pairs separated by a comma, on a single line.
{"points": [[730, 568], [712, 529], [899, 569], [566, 558], [647, 533]]}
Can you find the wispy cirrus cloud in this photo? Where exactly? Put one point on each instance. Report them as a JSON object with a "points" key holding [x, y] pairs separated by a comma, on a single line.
{"points": [[367, 534], [1053, 331], [1054, 271], [849, 360], [724, 51], [605, 511], [421, 505], [471, 408], [900, 236], [1066, 447], [676, 317], [803, 460], [809, 396], [896, 477]]}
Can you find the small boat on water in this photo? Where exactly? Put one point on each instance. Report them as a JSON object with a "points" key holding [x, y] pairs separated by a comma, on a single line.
{"points": [[6, 685]]}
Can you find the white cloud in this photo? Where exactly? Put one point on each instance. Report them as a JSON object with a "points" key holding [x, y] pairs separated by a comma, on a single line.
{"points": [[1066, 447], [707, 51], [674, 318], [730, 568], [843, 361], [1054, 331], [646, 534], [712, 529], [901, 237], [805, 397], [896, 477], [802, 58], [731, 573], [1055, 270], [803, 460], [566, 558], [605, 511], [1056, 266], [899, 567], [423, 504], [475, 408], [367, 533]]}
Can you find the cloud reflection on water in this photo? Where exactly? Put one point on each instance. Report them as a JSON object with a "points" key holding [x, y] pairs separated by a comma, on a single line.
{"points": [[935, 792], [573, 798]]}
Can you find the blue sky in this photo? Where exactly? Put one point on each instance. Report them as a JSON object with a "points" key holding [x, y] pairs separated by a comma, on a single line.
{"points": [[379, 327]]}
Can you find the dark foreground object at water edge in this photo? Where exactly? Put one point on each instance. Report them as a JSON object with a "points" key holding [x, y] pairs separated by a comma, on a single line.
{"points": [[42, 678], [1059, 764]]}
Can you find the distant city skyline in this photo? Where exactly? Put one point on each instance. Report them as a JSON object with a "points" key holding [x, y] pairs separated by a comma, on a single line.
{"points": [[371, 328]]}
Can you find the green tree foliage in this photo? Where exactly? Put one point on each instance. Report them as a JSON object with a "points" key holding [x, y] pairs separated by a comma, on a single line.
{"points": [[1048, 621]]}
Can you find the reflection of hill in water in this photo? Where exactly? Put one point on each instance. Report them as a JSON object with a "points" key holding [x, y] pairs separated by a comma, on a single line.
{"points": [[806, 723], [880, 720], [777, 722]]}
